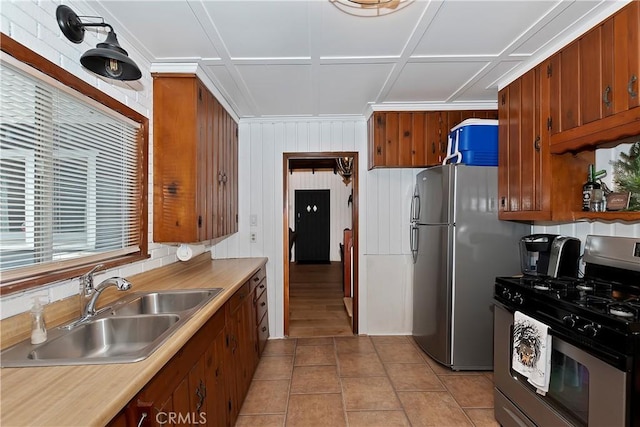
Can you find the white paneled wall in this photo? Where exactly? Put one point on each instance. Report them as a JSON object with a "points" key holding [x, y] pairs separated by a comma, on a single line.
{"points": [[33, 24], [383, 207], [340, 216], [604, 157]]}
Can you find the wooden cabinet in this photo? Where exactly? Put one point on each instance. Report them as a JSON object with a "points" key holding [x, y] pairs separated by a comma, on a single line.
{"points": [[194, 162], [246, 314], [595, 85], [182, 392], [261, 316], [206, 382], [533, 184], [412, 139]]}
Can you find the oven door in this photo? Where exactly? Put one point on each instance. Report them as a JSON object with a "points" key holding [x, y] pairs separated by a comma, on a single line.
{"points": [[583, 389]]}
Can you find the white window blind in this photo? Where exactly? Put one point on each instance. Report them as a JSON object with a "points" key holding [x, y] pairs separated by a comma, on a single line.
{"points": [[69, 176]]}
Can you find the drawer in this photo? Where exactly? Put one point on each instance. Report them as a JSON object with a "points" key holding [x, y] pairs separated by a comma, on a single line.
{"points": [[236, 300], [262, 286], [263, 333], [261, 304], [257, 277]]}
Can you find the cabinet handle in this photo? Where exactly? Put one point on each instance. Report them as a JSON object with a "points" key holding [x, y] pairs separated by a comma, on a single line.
{"points": [[632, 80], [255, 279], [264, 329], [605, 96], [261, 286], [219, 177], [433, 148], [379, 150], [263, 304], [503, 202], [224, 178], [201, 392], [142, 418], [536, 143]]}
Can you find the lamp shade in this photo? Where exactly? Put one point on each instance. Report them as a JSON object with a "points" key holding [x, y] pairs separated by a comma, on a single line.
{"points": [[108, 59]]}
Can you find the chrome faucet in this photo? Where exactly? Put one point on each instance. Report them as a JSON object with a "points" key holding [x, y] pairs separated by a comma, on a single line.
{"points": [[119, 282]]}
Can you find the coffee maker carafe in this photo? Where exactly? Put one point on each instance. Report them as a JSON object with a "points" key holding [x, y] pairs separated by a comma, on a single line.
{"points": [[549, 255]]}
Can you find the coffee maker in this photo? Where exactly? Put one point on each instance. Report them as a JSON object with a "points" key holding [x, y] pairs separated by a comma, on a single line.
{"points": [[549, 255]]}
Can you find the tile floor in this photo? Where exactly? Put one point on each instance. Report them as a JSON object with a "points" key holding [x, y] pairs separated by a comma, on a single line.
{"points": [[362, 381]]}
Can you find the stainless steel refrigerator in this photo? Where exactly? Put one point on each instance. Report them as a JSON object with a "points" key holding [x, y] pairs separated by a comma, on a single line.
{"points": [[459, 246]]}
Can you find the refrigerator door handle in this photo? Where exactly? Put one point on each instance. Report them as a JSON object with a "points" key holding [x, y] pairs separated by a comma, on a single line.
{"points": [[415, 205], [413, 238]]}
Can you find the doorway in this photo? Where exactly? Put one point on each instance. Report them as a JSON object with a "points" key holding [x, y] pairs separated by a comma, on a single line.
{"points": [[348, 277]]}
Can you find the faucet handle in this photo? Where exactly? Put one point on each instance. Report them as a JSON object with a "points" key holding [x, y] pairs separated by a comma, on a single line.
{"points": [[86, 280]]}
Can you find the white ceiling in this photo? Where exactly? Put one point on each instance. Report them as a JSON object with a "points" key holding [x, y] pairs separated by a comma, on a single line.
{"points": [[309, 58]]}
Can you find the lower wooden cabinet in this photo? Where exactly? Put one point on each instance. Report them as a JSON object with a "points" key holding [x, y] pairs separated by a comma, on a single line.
{"points": [[206, 382]]}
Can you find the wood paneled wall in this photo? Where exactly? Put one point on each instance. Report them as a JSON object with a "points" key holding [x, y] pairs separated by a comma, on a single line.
{"points": [[384, 198]]}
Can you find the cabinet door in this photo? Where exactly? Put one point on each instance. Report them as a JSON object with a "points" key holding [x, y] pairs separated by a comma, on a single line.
{"points": [[593, 96], [216, 371], [626, 48], [522, 144], [565, 83]]}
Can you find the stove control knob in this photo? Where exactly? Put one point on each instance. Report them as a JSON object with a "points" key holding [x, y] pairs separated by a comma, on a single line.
{"points": [[506, 294], [591, 329], [517, 299], [570, 321]]}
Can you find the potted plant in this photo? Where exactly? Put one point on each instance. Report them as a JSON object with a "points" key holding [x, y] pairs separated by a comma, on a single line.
{"points": [[626, 175]]}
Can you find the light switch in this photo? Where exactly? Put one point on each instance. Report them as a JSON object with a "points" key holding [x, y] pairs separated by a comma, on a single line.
{"points": [[253, 220]]}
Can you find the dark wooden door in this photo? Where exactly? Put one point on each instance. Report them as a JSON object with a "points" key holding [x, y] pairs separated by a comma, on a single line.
{"points": [[312, 225]]}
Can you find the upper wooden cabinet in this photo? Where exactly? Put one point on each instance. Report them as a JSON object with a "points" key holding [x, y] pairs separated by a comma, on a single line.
{"points": [[595, 85], [194, 162], [413, 139], [533, 184]]}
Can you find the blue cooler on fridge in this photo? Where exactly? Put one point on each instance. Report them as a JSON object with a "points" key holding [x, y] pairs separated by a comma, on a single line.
{"points": [[473, 142]]}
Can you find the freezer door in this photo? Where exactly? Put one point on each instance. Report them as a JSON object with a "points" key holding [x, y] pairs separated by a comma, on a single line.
{"points": [[432, 292], [435, 190]]}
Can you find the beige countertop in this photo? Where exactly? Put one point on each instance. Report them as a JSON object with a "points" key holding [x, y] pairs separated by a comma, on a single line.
{"points": [[94, 394]]}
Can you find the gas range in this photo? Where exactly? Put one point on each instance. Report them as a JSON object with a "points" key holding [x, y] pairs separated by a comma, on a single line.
{"points": [[600, 310], [594, 323], [592, 312]]}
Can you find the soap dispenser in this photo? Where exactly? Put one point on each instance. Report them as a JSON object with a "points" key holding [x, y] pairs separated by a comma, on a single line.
{"points": [[38, 327]]}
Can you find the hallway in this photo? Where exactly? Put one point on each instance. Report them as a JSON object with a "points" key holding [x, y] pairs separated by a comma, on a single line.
{"points": [[316, 306]]}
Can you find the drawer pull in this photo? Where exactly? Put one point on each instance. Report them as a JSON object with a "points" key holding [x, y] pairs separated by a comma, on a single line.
{"points": [[255, 279], [261, 286], [633, 79], [263, 304], [264, 329], [142, 418], [605, 96], [536, 143]]}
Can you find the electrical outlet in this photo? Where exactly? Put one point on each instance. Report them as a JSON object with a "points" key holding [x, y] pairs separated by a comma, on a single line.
{"points": [[253, 220], [253, 237]]}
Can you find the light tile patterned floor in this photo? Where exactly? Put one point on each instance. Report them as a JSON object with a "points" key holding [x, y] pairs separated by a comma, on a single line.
{"points": [[362, 381]]}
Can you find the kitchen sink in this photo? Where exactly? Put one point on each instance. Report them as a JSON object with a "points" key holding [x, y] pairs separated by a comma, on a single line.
{"points": [[128, 331], [108, 338], [163, 302]]}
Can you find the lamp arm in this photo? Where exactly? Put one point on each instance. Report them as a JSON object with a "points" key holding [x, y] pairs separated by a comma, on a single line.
{"points": [[97, 24]]}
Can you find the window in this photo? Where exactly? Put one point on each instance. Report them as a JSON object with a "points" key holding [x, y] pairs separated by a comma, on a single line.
{"points": [[72, 181]]}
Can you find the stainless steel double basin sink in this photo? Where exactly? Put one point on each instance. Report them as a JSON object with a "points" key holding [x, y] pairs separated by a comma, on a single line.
{"points": [[131, 329]]}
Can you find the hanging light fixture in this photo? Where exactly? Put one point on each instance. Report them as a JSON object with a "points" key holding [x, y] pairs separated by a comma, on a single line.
{"points": [[108, 59], [370, 7], [345, 168]]}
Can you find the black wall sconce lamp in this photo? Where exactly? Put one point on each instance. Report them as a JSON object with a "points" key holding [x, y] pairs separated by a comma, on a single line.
{"points": [[108, 59]]}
